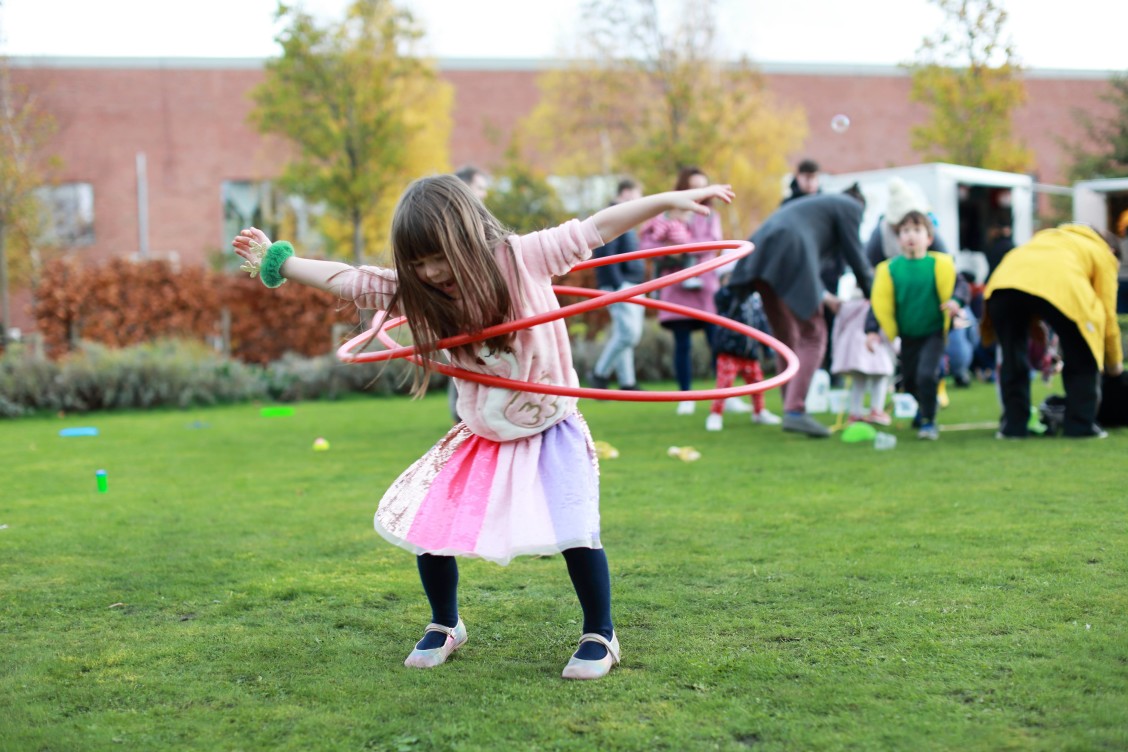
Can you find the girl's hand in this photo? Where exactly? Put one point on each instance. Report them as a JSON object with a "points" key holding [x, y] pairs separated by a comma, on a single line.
{"points": [[692, 199], [951, 308], [872, 339], [614, 220], [242, 243]]}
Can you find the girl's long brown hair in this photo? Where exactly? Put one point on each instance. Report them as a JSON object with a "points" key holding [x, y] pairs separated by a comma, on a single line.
{"points": [[440, 216]]}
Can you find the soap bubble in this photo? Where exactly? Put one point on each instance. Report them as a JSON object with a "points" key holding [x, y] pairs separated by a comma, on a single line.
{"points": [[839, 123]]}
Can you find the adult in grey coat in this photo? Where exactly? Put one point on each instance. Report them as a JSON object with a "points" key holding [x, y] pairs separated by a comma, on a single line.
{"points": [[795, 242]]}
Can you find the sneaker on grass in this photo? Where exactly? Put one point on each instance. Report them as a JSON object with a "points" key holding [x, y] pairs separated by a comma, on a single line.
{"points": [[736, 405], [803, 423], [928, 432], [766, 418]]}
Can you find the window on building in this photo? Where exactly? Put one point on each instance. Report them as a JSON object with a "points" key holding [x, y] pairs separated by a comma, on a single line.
{"points": [[69, 209], [246, 203], [259, 203]]}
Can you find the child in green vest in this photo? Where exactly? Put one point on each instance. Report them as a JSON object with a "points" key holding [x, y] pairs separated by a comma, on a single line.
{"points": [[914, 297]]}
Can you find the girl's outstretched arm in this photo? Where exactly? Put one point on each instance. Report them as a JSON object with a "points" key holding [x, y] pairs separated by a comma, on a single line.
{"points": [[618, 218], [310, 272]]}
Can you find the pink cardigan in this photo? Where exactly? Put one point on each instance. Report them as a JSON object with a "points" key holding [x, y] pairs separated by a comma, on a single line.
{"points": [[542, 354], [662, 231]]}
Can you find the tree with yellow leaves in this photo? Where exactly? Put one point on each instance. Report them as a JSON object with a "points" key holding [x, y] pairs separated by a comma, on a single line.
{"points": [[365, 115], [639, 99], [24, 130], [521, 198], [969, 76]]}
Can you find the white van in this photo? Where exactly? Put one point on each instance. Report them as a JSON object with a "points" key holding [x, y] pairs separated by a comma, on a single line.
{"points": [[970, 205]]}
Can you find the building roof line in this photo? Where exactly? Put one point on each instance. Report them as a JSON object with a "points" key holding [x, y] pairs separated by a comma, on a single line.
{"points": [[506, 64]]}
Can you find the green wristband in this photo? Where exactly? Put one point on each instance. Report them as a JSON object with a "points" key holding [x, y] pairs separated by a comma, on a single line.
{"points": [[271, 270]]}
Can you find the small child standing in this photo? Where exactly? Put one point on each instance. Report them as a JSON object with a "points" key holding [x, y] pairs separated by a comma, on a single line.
{"points": [[915, 297], [518, 475], [738, 355], [869, 369]]}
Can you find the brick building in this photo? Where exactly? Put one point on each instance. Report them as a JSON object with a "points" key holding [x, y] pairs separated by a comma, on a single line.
{"points": [[188, 118]]}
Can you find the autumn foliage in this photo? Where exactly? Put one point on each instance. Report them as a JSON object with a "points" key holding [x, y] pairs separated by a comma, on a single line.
{"points": [[121, 303], [968, 74], [365, 113], [642, 99]]}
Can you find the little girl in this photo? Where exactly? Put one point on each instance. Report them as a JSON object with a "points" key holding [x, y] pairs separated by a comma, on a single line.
{"points": [[518, 475], [738, 354], [869, 370]]}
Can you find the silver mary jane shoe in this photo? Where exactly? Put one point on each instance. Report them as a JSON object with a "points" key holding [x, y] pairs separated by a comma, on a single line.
{"points": [[578, 668], [455, 638]]}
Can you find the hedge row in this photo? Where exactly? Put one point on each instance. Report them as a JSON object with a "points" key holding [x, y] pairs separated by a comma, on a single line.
{"points": [[172, 373], [121, 303], [182, 373]]}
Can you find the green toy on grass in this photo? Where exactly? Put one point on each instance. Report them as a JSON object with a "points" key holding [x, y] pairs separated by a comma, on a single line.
{"points": [[858, 432]]}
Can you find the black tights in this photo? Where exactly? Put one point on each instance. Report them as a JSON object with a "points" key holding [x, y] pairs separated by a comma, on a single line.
{"points": [[440, 582], [587, 568]]}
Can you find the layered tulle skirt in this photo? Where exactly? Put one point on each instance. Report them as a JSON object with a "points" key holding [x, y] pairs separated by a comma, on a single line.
{"points": [[470, 496]]}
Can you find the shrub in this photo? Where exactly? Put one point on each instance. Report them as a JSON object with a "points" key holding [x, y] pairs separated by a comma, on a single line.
{"points": [[121, 303], [178, 373], [96, 377], [27, 383], [293, 378], [267, 324]]}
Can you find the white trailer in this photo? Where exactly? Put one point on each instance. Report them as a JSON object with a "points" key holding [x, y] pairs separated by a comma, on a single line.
{"points": [[1100, 202], [969, 204]]}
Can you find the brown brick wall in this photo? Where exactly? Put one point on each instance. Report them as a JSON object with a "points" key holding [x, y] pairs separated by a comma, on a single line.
{"points": [[191, 125], [488, 106]]}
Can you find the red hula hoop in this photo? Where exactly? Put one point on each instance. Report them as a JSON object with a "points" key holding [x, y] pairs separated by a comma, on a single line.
{"points": [[596, 300]]}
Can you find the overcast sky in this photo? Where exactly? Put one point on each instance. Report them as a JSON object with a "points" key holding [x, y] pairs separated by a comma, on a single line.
{"points": [[1088, 34]]}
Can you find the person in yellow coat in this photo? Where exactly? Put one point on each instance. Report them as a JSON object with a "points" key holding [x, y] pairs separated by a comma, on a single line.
{"points": [[1067, 277]]}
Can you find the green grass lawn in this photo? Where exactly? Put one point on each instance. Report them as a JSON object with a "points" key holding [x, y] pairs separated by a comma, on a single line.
{"points": [[781, 593]]}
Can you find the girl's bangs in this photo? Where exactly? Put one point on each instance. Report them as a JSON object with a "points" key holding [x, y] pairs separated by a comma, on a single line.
{"points": [[414, 245]]}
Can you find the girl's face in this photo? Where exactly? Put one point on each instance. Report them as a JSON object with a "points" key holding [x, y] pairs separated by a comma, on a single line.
{"points": [[435, 271], [700, 181]]}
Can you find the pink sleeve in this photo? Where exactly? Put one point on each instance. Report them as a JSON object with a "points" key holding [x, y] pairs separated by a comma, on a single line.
{"points": [[367, 286], [555, 251], [661, 231]]}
